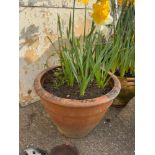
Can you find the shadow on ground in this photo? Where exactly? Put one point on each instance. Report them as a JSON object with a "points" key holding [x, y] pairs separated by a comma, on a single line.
{"points": [[115, 135]]}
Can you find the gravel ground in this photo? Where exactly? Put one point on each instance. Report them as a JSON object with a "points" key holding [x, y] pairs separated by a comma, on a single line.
{"points": [[115, 135]]}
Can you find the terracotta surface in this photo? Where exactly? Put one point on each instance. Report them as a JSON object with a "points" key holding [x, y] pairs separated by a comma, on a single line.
{"points": [[75, 118], [127, 91]]}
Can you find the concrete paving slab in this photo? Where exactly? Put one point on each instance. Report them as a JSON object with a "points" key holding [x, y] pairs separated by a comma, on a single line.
{"points": [[115, 135]]}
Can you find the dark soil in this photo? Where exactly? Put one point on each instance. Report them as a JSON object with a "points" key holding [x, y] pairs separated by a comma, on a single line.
{"points": [[55, 85]]}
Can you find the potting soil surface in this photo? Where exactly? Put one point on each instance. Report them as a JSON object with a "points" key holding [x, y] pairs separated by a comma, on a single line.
{"points": [[54, 84]]}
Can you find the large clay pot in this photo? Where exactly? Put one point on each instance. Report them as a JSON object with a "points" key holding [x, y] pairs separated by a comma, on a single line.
{"points": [[75, 118], [127, 91]]}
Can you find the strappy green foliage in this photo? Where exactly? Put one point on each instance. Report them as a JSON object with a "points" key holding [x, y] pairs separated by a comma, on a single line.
{"points": [[87, 58], [83, 59], [123, 51]]}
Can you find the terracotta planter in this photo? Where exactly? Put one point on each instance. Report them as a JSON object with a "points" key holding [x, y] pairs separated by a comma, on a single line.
{"points": [[127, 91], [75, 118]]}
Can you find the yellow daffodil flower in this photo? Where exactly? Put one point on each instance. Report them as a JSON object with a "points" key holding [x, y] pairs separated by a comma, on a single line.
{"points": [[85, 2], [101, 11]]}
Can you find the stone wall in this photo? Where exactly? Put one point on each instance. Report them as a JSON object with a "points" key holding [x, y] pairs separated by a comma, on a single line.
{"points": [[38, 18]]}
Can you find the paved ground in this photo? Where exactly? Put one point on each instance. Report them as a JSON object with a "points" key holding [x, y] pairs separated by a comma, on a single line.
{"points": [[113, 136]]}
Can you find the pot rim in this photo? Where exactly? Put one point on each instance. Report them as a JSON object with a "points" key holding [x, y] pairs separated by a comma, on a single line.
{"points": [[45, 95]]}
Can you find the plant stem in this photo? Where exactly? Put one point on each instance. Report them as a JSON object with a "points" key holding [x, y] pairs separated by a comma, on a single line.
{"points": [[73, 20], [85, 22], [114, 18]]}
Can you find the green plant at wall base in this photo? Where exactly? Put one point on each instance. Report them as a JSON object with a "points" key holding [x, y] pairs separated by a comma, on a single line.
{"points": [[83, 59], [123, 51]]}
